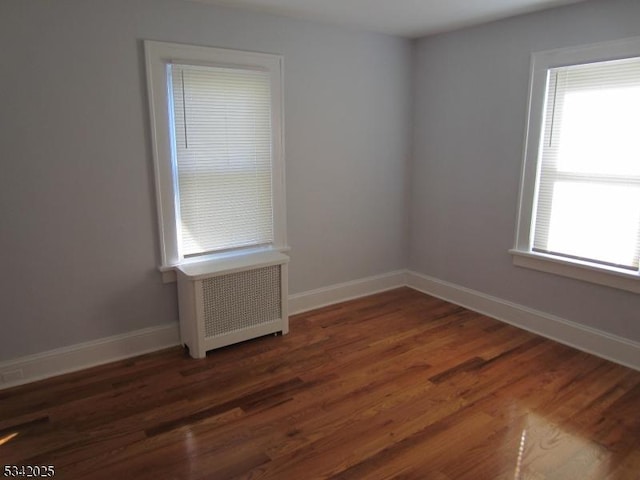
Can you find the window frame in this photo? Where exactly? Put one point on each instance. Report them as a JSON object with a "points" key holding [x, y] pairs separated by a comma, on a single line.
{"points": [[158, 55], [522, 252]]}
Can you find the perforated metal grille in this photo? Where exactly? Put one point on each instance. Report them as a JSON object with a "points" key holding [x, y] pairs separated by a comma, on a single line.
{"points": [[241, 300]]}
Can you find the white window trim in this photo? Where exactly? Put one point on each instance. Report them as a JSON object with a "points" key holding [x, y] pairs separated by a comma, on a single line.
{"points": [[523, 255], [158, 55]]}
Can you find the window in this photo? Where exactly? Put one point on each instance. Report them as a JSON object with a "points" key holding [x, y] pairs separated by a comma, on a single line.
{"points": [[579, 210], [217, 138]]}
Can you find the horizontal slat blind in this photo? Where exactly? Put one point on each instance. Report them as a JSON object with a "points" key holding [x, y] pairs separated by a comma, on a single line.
{"points": [[223, 153], [588, 193]]}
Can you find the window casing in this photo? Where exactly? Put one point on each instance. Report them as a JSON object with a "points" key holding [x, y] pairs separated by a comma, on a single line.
{"points": [[216, 118], [579, 212]]}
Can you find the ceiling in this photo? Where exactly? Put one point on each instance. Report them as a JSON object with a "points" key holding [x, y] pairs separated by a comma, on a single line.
{"points": [[408, 18]]}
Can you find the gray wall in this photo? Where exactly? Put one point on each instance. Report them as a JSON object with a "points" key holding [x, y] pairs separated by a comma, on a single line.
{"points": [[79, 236], [470, 90], [79, 233]]}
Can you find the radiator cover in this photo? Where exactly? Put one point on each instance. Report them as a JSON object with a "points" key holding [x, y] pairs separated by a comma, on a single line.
{"points": [[232, 300]]}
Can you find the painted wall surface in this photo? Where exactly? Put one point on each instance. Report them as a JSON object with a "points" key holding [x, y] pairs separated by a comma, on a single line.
{"points": [[79, 236], [470, 92]]}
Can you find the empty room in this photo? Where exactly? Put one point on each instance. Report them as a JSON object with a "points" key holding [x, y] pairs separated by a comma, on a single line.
{"points": [[296, 239]]}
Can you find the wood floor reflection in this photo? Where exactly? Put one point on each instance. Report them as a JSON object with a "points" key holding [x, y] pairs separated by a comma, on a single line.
{"points": [[397, 385]]}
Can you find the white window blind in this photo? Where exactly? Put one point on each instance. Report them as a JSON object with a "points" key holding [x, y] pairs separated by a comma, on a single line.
{"points": [[222, 148], [588, 191]]}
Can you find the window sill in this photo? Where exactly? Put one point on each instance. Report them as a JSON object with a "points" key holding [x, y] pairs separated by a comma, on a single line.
{"points": [[169, 271], [588, 272]]}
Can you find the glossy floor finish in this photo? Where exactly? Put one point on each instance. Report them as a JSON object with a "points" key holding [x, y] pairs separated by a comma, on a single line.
{"points": [[396, 385]]}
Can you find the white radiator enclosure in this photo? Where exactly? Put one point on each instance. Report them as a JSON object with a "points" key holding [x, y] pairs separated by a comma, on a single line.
{"points": [[231, 300]]}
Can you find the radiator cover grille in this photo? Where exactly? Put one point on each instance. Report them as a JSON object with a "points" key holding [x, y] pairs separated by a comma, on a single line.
{"points": [[241, 300]]}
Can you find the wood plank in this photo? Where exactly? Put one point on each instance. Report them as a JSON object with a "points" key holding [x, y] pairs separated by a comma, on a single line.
{"points": [[396, 385]]}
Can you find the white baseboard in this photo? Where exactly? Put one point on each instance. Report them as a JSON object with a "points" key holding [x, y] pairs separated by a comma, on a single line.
{"points": [[321, 297], [89, 354], [590, 340], [84, 355]]}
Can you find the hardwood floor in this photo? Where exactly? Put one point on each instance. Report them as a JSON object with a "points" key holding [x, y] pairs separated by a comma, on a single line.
{"points": [[397, 385]]}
